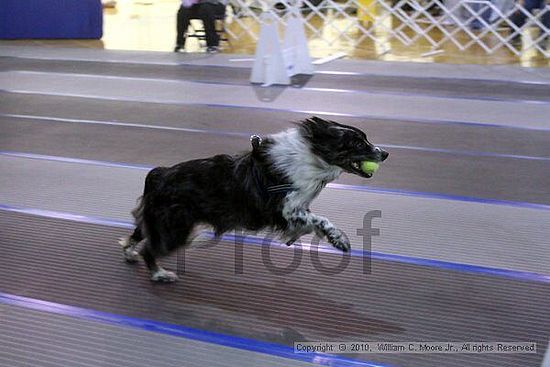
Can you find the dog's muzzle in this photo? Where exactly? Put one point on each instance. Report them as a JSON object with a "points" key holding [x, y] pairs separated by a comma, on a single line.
{"points": [[377, 155], [382, 153]]}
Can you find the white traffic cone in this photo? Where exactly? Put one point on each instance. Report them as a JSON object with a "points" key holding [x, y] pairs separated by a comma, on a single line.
{"points": [[269, 66], [295, 45]]}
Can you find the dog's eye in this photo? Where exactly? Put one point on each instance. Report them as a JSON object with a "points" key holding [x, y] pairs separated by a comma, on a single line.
{"points": [[360, 145]]}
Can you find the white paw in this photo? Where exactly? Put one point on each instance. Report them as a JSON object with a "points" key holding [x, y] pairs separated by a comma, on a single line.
{"points": [[130, 255], [124, 242], [129, 251], [338, 239], [164, 276]]}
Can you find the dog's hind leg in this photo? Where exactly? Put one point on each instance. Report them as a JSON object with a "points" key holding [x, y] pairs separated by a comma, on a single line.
{"points": [[163, 237], [158, 273], [130, 246]]}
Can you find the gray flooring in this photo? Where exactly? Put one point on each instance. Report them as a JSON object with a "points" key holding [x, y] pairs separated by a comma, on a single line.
{"points": [[509, 114], [498, 73], [363, 83], [80, 265], [27, 335], [467, 182], [493, 175], [447, 230], [39, 112]]}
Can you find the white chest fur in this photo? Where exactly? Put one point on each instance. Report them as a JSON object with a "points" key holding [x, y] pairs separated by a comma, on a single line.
{"points": [[307, 172]]}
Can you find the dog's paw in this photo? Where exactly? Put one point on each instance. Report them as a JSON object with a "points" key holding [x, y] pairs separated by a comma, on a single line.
{"points": [[130, 255], [124, 242], [129, 251], [338, 239], [164, 276]]}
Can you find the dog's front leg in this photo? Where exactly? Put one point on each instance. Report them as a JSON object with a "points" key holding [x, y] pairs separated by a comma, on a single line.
{"points": [[334, 236], [303, 221]]}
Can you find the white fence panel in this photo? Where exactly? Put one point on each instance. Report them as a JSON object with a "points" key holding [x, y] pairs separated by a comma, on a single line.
{"points": [[488, 25]]}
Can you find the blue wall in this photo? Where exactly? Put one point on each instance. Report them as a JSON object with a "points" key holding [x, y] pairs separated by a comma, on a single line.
{"points": [[51, 19]]}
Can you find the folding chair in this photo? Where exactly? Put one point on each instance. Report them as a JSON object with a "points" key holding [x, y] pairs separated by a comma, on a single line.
{"points": [[200, 34]]}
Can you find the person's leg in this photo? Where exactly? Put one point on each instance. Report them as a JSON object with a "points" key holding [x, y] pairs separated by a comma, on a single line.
{"points": [[219, 13], [184, 17], [207, 13], [219, 10]]}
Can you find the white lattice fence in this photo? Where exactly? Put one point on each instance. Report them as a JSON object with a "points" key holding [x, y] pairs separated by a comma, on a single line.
{"points": [[483, 24]]}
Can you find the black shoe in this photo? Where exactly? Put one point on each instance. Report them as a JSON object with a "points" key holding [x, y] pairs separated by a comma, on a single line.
{"points": [[213, 50], [178, 48]]}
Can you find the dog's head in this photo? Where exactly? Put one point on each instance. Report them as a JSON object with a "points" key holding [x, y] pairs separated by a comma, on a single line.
{"points": [[341, 145]]}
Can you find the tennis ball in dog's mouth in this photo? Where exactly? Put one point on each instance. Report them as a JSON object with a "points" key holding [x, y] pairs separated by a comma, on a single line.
{"points": [[369, 167]]}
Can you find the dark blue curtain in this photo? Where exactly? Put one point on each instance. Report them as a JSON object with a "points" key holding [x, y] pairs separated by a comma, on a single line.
{"points": [[51, 19]]}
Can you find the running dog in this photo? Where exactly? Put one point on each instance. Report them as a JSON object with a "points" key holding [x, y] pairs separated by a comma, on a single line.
{"points": [[269, 187]]}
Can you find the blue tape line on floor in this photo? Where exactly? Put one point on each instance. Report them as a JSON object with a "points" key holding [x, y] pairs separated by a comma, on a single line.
{"points": [[252, 240], [251, 345]]}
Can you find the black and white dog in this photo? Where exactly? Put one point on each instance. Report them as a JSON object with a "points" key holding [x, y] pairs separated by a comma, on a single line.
{"points": [[270, 187]]}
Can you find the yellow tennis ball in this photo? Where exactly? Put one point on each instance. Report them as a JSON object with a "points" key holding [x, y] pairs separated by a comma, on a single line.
{"points": [[369, 167]]}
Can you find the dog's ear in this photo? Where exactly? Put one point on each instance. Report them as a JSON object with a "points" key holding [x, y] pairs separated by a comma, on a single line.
{"points": [[317, 122], [321, 128]]}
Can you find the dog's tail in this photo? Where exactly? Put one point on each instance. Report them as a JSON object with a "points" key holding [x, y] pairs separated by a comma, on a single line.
{"points": [[137, 213], [130, 243], [151, 184]]}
